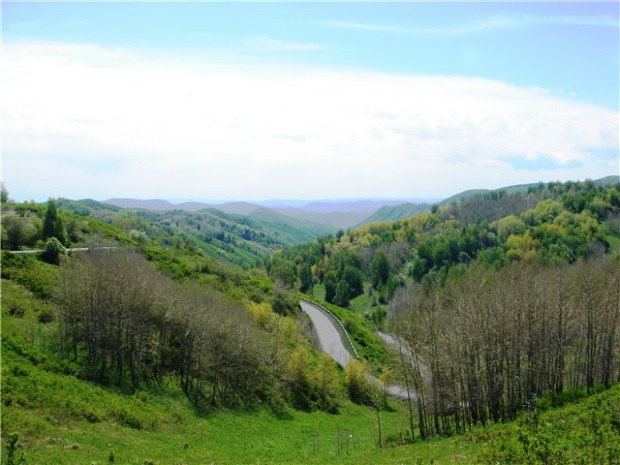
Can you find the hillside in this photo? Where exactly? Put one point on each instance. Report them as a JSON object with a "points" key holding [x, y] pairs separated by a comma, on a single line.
{"points": [[234, 238], [188, 348], [404, 210], [362, 269], [394, 213], [51, 415], [336, 220]]}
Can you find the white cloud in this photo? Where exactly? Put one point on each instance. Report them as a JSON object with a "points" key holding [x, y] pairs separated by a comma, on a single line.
{"points": [[489, 23], [89, 121]]}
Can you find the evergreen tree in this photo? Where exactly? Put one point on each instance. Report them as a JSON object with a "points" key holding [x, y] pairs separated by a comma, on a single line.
{"points": [[54, 224]]}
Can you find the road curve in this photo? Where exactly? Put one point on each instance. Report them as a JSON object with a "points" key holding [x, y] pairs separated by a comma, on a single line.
{"points": [[331, 342], [329, 337]]}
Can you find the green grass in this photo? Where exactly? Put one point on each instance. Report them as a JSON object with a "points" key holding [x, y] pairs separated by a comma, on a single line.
{"points": [[61, 419]]}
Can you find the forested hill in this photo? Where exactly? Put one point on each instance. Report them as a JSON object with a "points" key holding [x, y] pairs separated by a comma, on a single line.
{"points": [[236, 239], [550, 223], [397, 212]]}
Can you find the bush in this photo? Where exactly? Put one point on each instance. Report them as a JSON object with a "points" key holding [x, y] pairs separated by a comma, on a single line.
{"points": [[46, 316], [16, 311], [52, 251]]}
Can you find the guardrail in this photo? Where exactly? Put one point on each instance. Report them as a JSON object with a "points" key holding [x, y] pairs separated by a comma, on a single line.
{"points": [[66, 249], [330, 313]]}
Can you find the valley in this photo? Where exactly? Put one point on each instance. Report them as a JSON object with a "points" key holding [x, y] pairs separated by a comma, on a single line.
{"points": [[182, 338]]}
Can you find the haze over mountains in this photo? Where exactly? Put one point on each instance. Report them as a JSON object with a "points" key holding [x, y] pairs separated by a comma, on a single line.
{"points": [[333, 213], [336, 213]]}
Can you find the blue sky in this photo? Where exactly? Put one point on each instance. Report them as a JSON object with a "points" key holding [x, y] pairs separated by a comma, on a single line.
{"points": [[316, 100]]}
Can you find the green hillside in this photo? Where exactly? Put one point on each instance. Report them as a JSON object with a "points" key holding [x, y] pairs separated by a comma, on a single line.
{"points": [[405, 210], [51, 415], [161, 349], [235, 239], [395, 213]]}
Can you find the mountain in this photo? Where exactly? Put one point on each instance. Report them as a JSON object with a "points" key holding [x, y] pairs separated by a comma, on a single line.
{"points": [[396, 212], [331, 214], [356, 206], [404, 210], [296, 227], [157, 204], [337, 220]]}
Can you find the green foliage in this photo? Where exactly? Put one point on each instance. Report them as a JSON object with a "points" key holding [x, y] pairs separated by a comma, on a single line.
{"points": [[19, 228], [284, 301], [11, 451], [54, 223], [537, 223], [358, 382], [588, 432], [282, 269], [35, 275], [305, 277], [52, 251], [379, 269], [4, 194]]}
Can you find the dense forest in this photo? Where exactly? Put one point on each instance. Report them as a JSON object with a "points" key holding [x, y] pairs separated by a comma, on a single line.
{"points": [[550, 223]]}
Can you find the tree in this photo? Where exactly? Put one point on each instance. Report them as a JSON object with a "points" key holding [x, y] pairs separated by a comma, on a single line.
{"points": [[13, 228], [305, 277], [54, 224], [4, 194], [379, 269], [328, 385], [331, 283], [52, 251], [357, 375]]}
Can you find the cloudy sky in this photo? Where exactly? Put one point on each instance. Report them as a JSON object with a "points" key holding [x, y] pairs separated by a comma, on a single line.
{"points": [[305, 101]]}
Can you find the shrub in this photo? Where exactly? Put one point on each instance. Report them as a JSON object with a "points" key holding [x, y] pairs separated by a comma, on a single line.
{"points": [[16, 311], [52, 251], [46, 316]]}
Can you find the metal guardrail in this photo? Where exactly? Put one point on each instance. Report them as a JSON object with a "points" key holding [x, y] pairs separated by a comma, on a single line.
{"points": [[330, 313], [66, 249]]}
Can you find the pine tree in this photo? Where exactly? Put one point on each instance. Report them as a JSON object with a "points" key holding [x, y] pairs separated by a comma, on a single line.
{"points": [[54, 224]]}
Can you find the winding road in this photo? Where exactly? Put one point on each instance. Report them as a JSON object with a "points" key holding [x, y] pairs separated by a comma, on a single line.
{"points": [[331, 342], [329, 338]]}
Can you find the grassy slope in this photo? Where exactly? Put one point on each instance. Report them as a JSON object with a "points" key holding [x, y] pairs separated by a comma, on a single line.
{"points": [[64, 420]]}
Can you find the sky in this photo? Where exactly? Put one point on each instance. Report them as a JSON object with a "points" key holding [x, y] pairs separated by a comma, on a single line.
{"points": [[257, 101]]}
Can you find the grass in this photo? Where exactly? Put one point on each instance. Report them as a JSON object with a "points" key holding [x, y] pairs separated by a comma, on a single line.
{"points": [[61, 419]]}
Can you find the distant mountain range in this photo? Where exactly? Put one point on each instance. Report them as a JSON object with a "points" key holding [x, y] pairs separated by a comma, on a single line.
{"points": [[337, 214], [327, 215]]}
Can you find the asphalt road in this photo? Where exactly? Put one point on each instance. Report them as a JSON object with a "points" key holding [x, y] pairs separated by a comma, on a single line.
{"points": [[331, 342], [329, 337]]}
